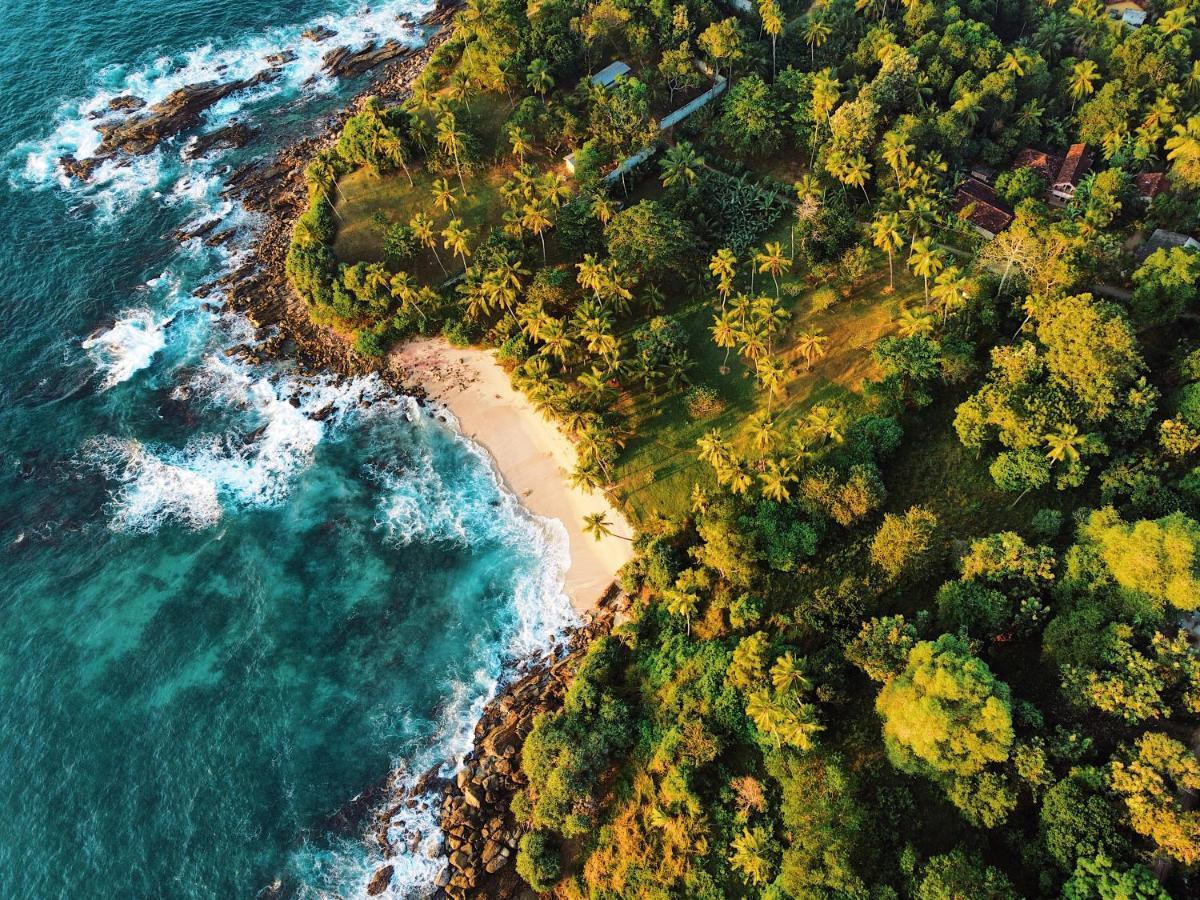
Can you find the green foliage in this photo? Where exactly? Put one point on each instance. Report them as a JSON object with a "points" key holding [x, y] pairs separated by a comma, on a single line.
{"points": [[903, 542], [1016, 185], [538, 861], [882, 647], [946, 714], [1165, 284], [1098, 878], [649, 240], [1078, 819], [959, 874]]}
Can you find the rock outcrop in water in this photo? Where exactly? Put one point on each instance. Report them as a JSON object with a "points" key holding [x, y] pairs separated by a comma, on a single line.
{"points": [[231, 137], [179, 111], [346, 63]]}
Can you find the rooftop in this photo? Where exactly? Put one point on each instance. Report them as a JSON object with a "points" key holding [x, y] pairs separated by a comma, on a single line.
{"points": [[1076, 163], [1045, 164], [610, 73], [976, 202]]}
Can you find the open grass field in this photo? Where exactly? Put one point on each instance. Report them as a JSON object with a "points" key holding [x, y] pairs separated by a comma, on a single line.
{"points": [[660, 464]]}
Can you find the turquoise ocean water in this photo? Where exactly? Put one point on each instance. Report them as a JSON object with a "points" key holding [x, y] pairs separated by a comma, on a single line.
{"points": [[231, 597]]}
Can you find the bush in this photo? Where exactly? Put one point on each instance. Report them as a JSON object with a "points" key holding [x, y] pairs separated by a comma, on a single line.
{"points": [[703, 401], [399, 245], [458, 333], [369, 342], [824, 299], [538, 861]]}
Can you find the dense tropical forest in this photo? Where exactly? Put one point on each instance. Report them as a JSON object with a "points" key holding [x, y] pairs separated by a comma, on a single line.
{"points": [[888, 346]]}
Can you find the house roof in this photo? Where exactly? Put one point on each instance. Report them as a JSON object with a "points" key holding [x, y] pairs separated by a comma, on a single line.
{"points": [[610, 73], [1045, 164], [1165, 240], [1151, 184], [980, 206], [1076, 163], [1140, 4]]}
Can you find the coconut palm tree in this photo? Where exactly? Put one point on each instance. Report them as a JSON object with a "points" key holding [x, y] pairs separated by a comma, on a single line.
{"points": [[787, 676], [772, 23], [914, 321], [1082, 83], [535, 218], [764, 433], [538, 78], [455, 237], [816, 33], [775, 478], [725, 335], [856, 171], [423, 230], [825, 422], [773, 260], [896, 151], [885, 234], [811, 345], [723, 267], [603, 207], [1065, 443], [681, 164], [597, 525], [772, 377], [453, 141], [519, 141], [681, 603], [925, 261], [443, 195], [1183, 148], [949, 291]]}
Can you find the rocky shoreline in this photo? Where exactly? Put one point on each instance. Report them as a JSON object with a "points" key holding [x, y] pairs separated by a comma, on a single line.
{"points": [[479, 834]]}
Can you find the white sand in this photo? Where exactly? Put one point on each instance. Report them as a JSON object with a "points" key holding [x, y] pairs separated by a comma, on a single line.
{"points": [[532, 455]]}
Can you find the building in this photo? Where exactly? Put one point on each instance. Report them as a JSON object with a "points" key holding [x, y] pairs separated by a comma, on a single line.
{"points": [[1047, 165], [1165, 240], [1132, 12], [610, 73], [1074, 166], [977, 203], [1150, 184]]}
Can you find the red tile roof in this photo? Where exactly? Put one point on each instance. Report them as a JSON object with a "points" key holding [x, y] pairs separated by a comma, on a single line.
{"points": [[1077, 162], [979, 205], [1045, 164], [1151, 184]]}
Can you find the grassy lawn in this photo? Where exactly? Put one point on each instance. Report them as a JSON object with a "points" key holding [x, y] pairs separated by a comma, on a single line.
{"points": [[660, 465], [363, 198]]}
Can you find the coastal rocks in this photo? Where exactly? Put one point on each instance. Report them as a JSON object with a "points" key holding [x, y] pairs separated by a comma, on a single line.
{"points": [[347, 63], [476, 819], [126, 103], [318, 34], [380, 881], [275, 60], [233, 136], [81, 169], [179, 111]]}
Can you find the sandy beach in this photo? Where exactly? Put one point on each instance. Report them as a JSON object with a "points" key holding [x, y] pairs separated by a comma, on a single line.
{"points": [[533, 456]]}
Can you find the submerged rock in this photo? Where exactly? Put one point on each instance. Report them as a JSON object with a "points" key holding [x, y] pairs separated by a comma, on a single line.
{"points": [[318, 34], [79, 168]]}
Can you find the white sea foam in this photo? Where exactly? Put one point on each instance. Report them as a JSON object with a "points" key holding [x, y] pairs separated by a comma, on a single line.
{"points": [[116, 185], [128, 346]]}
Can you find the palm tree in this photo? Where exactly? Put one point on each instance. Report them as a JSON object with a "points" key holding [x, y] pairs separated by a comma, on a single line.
{"points": [[764, 433], [597, 525], [723, 267], [1084, 75], [443, 195], [603, 207], [775, 478], [1176, 21], [787, 675], [455, 237], [681, 603], [896, 151], [423, 230], [925, 261], [772, 377], [725, 335], [773, 260], [772, 22], [825, 422], [1183, 148], [452, 141], [855, 172], [538, 78], [914, 321], [949, 291], [519, 141], [811, 345], [1065, 444], [681, 163], [885, 234], [535, 218], [816, 33]]}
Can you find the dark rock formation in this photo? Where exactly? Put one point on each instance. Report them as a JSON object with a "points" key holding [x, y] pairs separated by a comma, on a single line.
{"points": [[318, 34], [126, 103], [79, 168], [346, 63], [380, 881], [180, 111], [231, 137]]}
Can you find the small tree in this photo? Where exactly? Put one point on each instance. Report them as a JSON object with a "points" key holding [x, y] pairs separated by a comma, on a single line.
{"points": [[903, 541]]}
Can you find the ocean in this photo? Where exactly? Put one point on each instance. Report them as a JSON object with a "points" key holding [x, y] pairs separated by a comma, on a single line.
{"points": [[232, 596]]}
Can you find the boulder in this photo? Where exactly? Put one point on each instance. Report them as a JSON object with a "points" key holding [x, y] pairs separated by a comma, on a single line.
{"points": [[281, 59], [79, 168], [318, 34], [346, 63], [126, 103], [380, 881]]}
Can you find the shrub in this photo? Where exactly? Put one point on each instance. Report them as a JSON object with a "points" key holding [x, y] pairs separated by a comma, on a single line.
{"points": [[457, 332], [399, 245], [703, 401], [823, 299], [538, 862]]}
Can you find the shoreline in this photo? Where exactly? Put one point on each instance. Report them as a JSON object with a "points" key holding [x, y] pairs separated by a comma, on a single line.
{"points": [[531, 455]]}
